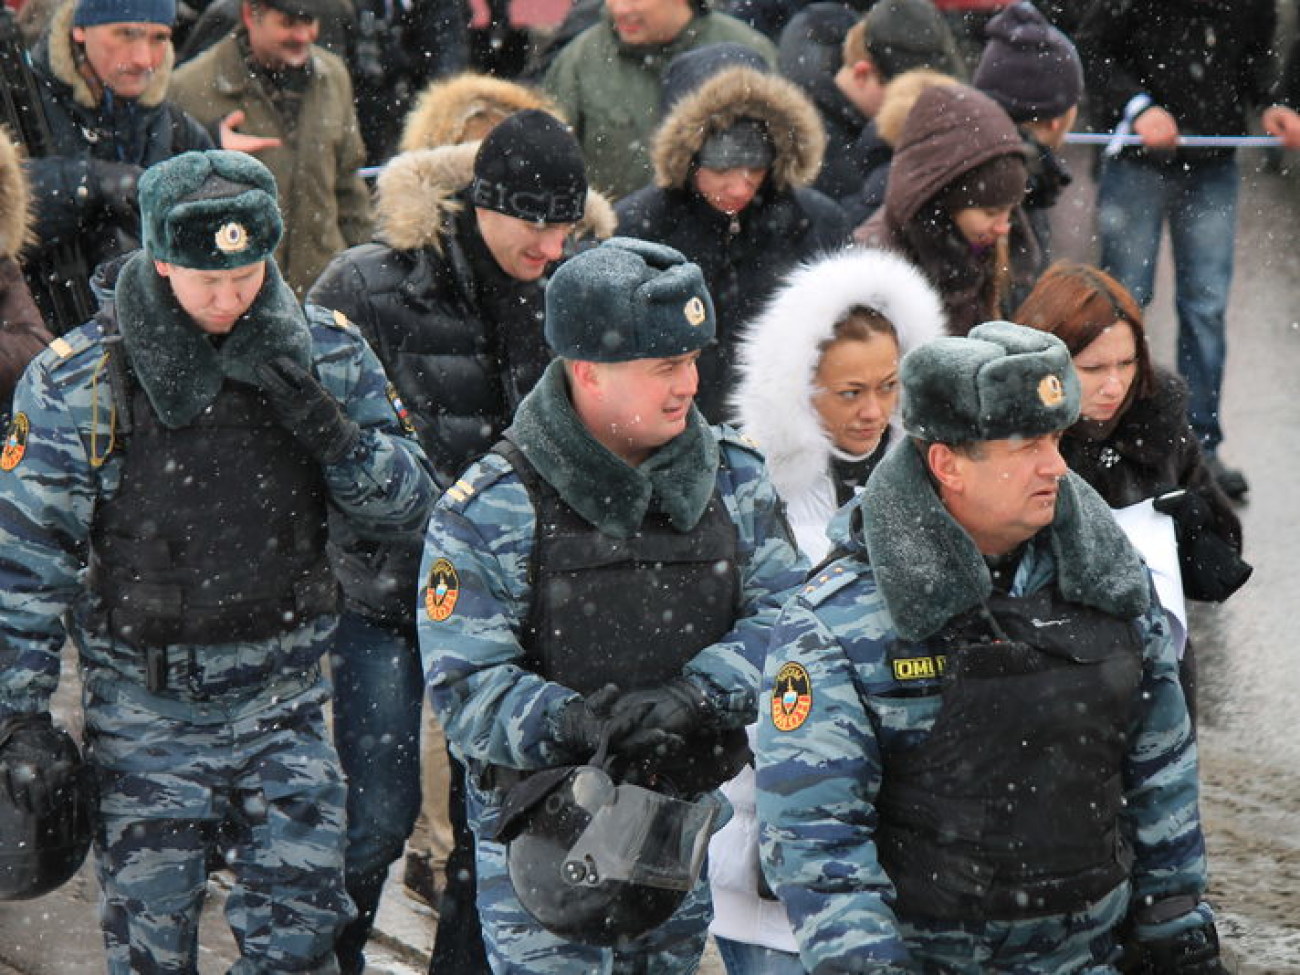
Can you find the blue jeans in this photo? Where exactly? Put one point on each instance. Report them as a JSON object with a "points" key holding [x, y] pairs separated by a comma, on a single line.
{"points": [[1200, 202], [378, 687], [741, 958]]}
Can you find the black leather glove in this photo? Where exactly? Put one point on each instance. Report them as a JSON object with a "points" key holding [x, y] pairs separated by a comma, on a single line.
{"points": [[583, 722], [114, 184], [659, 718], [1192, 952], [31, 750], [307, 410], [1191, 512], [1211, 567]]}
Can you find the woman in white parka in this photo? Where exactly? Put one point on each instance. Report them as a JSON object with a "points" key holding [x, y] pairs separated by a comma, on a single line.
{"points": [[819, 377], [818, 392]]}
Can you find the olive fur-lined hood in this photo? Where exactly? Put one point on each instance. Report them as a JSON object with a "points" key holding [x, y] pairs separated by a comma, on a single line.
{"points": [[415, 195], [63, 63], [791, 120], [447, 106], [15, 200]]}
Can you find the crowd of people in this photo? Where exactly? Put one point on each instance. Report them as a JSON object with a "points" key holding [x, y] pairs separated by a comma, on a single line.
{"points": [[682, 495]]}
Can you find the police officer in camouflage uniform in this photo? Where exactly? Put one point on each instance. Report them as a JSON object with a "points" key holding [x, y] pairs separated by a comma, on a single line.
{"points": [[973, 752], [164, 489], [613, 566]]}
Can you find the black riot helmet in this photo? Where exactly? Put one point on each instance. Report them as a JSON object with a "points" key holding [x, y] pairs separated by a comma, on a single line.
{"points": [[45, 832], [600, 863]]}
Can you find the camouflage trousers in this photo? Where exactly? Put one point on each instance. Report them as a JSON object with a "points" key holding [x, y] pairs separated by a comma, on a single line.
{"points": [[1082, 943], [167, 784], [517, 945]]}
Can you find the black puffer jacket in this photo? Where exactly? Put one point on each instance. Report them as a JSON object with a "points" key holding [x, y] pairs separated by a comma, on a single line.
{"points": [[74, 200], [461, 340], [743, 258]]}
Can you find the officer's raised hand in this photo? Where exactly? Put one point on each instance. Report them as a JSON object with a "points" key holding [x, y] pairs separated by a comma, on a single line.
{"points": [[307, 410], [31, 750]]}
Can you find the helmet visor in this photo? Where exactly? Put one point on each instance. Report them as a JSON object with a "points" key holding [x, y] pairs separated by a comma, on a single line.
{"points": [[644, 838]]}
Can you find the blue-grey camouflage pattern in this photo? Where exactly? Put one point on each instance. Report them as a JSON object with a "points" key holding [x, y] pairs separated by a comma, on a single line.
{"points": [[240, 725], [817, 783], [494, 711]]}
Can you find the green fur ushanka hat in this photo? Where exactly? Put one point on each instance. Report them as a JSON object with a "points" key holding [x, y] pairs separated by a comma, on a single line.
{"points": [[1000, 381], [210, 211], [628, 299]]}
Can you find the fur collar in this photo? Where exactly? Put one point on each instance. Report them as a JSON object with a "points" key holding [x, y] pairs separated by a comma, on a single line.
{"points": [[63, 63], [779, 351], [791, 119], [15, 200], [929, 570], [678, 479], [415, 197], [179, 367]]}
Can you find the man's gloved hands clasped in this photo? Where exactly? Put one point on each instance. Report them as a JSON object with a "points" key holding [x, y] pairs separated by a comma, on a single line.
{"points": [[660, 718], [307, 410], [654, 720], [31, 749]]}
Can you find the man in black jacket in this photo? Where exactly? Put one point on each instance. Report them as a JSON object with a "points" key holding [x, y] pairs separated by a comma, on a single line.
{"points": [[102, 68], [450, 298], [1206, 66]]}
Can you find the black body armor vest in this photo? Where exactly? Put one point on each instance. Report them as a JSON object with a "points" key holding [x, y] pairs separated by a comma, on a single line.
{"points": [[631, 611], [1010, 808], [218, 531]]}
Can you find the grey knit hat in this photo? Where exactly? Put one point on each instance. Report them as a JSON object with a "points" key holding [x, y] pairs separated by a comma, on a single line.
{"points": [[906, 34], [628, 299], [1000, 381]]}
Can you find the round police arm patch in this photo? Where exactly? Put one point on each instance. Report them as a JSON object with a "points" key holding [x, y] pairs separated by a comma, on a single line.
{"points": [[441, 591], [15, 442], [791, 697]]}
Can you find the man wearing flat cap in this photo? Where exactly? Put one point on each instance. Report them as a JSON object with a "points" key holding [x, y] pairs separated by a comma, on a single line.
{"points": [[102, 68], [609, 571], [269, 89], [164, 495], [973, 751]]}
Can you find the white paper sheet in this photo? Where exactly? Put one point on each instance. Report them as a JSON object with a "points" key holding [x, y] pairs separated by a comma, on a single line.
{"points": [[1152, 534]]}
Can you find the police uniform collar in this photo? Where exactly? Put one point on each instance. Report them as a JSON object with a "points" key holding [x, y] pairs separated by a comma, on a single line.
{"points": [[179, 368], [931, 571], [678, 478]]}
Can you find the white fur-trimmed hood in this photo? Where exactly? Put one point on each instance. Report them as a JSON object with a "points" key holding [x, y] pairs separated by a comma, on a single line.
{"points": [[779, 351]]}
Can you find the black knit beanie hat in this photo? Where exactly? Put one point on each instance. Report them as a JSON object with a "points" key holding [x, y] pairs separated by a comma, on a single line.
{"points": [[1028, 66], [531, 167]]}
